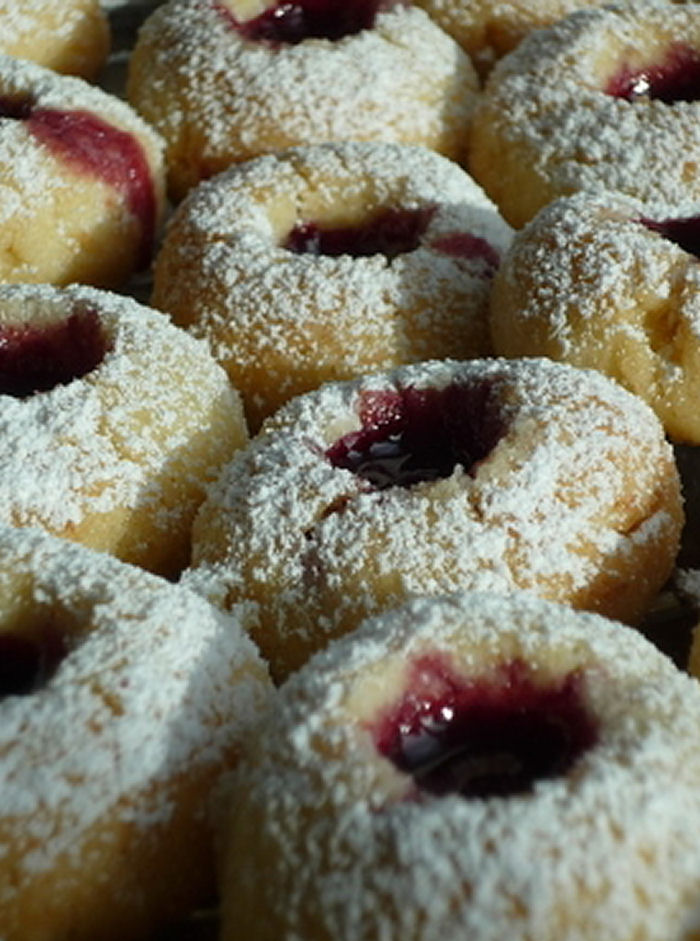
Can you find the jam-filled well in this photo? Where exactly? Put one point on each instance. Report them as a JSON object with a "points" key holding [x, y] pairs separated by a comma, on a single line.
{"points": [[27, 662], [289, 22], [682, 232], [415, 435], [675, 78], [37, 358], [494, 735], [15, 107], [390, 232]]}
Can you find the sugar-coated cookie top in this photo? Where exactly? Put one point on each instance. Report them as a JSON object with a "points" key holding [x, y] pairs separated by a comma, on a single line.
{"points": [[218, 97], [26, 175], [568, 473], [70, 36], [614, 239], [197, 40], [130, 704], [231, 237], [572, 425], [317, 779], [95, 441], [562, 95]]}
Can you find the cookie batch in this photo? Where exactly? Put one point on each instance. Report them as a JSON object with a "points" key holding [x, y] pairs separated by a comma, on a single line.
{"points": [[347, 357]]}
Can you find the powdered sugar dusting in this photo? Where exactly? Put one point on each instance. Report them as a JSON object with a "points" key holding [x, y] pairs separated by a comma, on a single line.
{"points": [[100, 442], [54, 215], [611, 839], [490, 30], [546, 110], [217, 98], [20, 19], [156, 682], [588, 282], [612, 248], [223, 272], [570, 492], [47, 90]]}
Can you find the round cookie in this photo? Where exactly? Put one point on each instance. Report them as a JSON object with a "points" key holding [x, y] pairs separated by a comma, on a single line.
{"points": [[228, 80], [328, 261], [81, 181], [605, 98], [123, 701], [68, 36], [488, 29], [112, 422], [476, 767], [489, 474], [610, 283]]}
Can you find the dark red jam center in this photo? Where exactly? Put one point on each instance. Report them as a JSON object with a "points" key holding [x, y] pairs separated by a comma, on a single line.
{"points": [[92, 146], [490, 736], [677, 78], [390, 232], [15, 108], [289, 23], [420, 434], [37, 359], [465, 245], [28, 663], [683, 232]]}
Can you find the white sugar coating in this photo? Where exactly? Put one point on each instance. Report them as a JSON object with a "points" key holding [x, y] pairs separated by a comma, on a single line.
{"points": [[142, 431], [578, 501], [46, 89], [72, 448], [69, 36], [343, 849], [488, 30], [617, 259], [155, 684], [33, 19], [60, 222], [218, 98], [546, 127], [586, 281], [282, 322]]}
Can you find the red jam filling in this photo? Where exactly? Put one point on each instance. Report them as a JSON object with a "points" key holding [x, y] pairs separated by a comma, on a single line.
{"points": [[289, 23], [465, 245], [420, 434], [390, 232], [677, 78], [37, 359], [491, 736], [683, 232], [95, 148], [28, 663]]}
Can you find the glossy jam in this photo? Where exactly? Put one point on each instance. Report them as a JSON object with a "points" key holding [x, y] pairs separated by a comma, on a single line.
{"points": [[28, 663], [683, 232], [34, 359], [489, 736], [97, 149], [289, 23], [420, 435], [390, 233], [676, 78]]}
